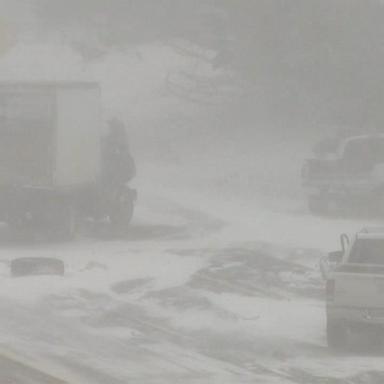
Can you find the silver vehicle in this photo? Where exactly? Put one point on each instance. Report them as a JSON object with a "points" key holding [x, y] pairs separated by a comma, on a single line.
{"points": [[349, 172]]}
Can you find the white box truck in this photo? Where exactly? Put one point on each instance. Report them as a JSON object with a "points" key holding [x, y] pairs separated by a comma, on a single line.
{"points": [[51, 157]]}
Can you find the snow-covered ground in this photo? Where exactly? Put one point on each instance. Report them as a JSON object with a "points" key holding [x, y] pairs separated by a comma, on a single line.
{"points": [[195, 294]]}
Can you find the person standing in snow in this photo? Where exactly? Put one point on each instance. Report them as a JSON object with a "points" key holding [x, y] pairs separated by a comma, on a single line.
{"points": [[118, 163]]}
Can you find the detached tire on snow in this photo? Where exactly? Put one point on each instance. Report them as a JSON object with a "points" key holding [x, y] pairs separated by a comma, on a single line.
{"points": [[337, 335], [29, 266]]}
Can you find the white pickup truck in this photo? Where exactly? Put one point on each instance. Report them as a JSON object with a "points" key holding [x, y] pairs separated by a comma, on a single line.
{"points": [[354, 286]]}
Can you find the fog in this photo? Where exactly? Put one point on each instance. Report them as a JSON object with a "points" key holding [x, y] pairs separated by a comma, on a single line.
{"points": [[173, 176]]}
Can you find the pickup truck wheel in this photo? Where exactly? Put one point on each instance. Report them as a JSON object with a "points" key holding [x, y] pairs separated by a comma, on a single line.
{"points": [[318, 205], [337, 335]]}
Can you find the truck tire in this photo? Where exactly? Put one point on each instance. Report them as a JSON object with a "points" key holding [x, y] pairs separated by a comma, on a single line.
{"points": [[27, 266], [318, 205], [337, 335]]}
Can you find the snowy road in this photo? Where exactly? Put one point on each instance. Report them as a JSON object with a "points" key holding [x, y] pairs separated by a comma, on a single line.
{"points": [[188, 297]]}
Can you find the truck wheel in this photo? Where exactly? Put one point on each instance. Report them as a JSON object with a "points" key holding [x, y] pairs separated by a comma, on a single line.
{"points": [[26, 266], [337, 335], [318, 205]]}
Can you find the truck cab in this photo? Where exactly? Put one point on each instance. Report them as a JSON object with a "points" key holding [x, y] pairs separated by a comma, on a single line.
{"points": [[355, 286]]}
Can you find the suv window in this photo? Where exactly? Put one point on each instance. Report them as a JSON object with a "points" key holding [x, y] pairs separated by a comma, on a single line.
{"points": [[368, 251]]}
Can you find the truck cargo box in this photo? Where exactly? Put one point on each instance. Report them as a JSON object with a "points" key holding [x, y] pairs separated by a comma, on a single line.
{"points": [[50, 134]]}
